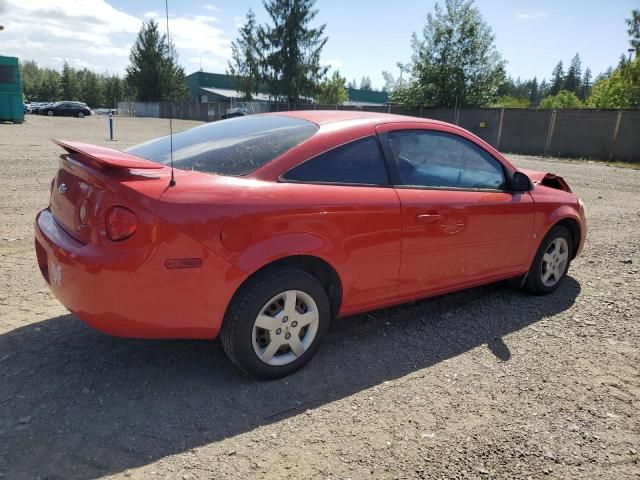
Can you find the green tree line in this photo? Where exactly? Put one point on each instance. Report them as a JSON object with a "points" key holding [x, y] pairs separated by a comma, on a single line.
{"points": [[50, 85], [455, 64]]}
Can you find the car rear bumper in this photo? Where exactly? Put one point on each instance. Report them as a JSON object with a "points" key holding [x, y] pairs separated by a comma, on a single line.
{"points": [[132, 293]]}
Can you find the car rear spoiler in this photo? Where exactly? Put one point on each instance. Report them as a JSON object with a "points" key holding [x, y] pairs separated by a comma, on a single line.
{"points": [[108, 157]]}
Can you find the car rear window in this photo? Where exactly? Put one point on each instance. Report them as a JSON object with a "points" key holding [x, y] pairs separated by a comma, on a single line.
{"points": [[229, 147]]}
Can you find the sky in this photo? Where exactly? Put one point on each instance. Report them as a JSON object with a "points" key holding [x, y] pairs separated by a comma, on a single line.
{"points": [[365, 38]]}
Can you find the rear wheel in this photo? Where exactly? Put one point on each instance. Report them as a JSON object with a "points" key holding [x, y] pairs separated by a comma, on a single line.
{"points": [[551, 263], [275, 323]]}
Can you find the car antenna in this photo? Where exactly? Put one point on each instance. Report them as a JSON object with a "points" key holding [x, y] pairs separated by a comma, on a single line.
{"points": [[172, 182]]}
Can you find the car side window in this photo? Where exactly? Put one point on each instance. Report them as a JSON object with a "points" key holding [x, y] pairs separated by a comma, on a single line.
{"points": [[359, 162], [443, 160]]}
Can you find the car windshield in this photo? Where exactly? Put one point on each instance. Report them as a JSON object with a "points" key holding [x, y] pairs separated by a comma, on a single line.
{"points": [[234, 147]]}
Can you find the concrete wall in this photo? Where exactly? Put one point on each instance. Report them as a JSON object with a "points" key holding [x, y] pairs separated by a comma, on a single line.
{"points": [[524, 131], [582, 133], [484, 122], [579, 133], [627, 143]]}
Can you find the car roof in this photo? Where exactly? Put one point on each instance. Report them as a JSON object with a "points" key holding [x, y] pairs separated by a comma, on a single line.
{"points": [[324, 117]]}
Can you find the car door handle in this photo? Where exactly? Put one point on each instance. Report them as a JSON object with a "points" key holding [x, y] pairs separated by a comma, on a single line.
{"points": [[428, 217]]}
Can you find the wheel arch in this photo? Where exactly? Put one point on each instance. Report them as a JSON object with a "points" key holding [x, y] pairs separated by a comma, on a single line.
{"points": [[573, 225], [322, 270]]}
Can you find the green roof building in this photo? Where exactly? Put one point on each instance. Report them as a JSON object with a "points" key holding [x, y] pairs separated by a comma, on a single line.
{"points": [[205, 87]]}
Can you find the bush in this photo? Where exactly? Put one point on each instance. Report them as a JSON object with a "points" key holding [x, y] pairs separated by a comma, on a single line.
{"points": [[564, 99]]}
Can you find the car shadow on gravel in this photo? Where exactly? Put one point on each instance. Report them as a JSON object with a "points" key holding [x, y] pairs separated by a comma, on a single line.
{"points": [[78, 404]]}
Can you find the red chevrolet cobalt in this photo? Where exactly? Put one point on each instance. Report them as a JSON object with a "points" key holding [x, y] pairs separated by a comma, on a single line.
{"points": [[278, 223]]}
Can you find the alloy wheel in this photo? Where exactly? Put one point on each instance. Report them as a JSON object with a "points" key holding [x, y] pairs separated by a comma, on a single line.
{"points": [[554, 262], [285, 327]]}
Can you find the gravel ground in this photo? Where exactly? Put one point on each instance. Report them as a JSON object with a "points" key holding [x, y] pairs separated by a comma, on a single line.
{"points": [[486, 383]]}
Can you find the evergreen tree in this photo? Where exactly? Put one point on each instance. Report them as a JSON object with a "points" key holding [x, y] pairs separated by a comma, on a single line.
{"points": [[292, 49], [31, 78], [245, 58], [534, 93], [557, 79], [634, 30], [49, 86], [574, 75], [389, 81], [543, 89], [455, 63], [153, 72], [333, 90], [91, 90], [365, 83], [69, 86], [585, 87], [113, 87]]}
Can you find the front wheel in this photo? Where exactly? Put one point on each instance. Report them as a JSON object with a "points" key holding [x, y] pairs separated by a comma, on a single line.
{"points": [[551, 263], [275, 323], [80, 115], [50, 113]]}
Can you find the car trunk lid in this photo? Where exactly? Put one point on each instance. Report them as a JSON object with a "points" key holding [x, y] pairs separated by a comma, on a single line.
{"points": [[90, 180]]}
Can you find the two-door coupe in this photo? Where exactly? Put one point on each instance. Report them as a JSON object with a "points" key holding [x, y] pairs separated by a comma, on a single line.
{"points": [[278, 223]]}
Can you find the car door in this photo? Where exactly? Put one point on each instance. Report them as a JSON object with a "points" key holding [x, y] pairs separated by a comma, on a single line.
{"points": [[64, 109], [460, 223], [348, 191]]}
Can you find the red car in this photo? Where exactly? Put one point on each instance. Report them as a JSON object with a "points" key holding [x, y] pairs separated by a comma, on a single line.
{"points": [[279, 223]]}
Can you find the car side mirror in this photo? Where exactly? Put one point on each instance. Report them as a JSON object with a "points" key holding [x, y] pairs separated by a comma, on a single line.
{"points": [[520, 182]]}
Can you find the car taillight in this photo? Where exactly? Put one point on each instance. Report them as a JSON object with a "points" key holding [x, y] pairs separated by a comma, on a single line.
{"points": [[121, 223]]}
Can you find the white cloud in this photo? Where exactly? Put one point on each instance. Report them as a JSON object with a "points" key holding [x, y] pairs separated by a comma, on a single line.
{"points": [[205, 18], [96, 35], [189, 33], [211, 8], [531, 16]]}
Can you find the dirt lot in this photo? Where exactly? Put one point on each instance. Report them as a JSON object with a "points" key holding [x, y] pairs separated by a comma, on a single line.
{"points": [[486, 383]]}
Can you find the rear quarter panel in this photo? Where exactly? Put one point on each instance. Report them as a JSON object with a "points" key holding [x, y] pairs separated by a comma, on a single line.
{"points": [[251, 223]]}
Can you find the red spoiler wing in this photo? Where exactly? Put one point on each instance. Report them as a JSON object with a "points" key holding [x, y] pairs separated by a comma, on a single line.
{"points": [[108, 156]]}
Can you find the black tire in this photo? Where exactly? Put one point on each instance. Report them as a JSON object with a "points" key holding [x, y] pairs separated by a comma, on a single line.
{"points": [[80, 115], [50, 113], [236, 334], [534, 282]]}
